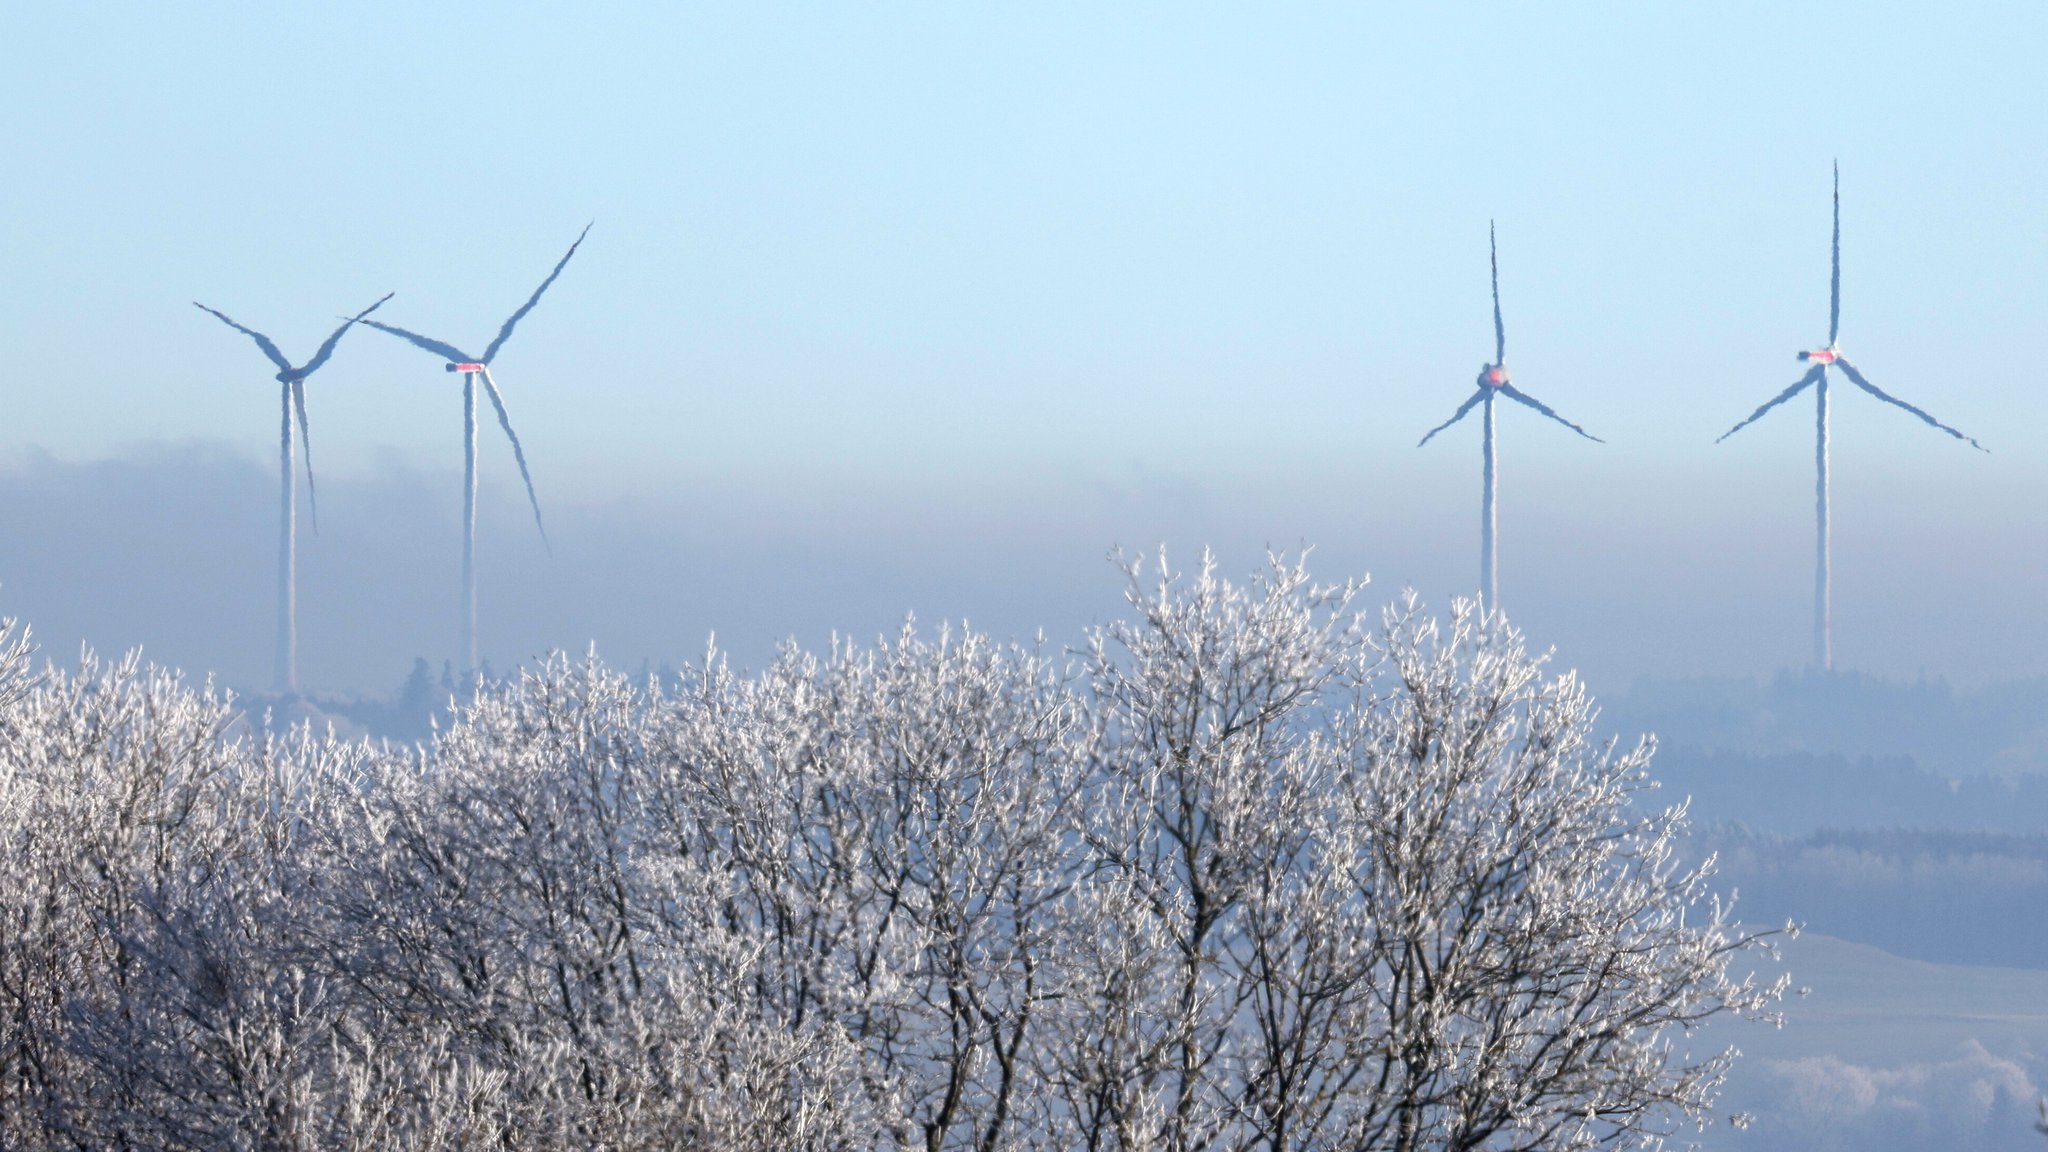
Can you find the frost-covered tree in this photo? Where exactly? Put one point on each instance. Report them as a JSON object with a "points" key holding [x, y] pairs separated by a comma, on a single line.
{"points": [[1374, 889], [1200, 890], [1249, 871], [1541, 961]]}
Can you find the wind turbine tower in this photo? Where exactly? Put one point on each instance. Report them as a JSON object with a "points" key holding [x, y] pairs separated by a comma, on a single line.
{"points": [[473, 369], [1819, 360], [292, 383], [1494, 382]]}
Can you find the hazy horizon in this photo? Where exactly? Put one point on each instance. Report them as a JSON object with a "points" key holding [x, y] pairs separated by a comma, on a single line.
{"points": [[168, 546]]}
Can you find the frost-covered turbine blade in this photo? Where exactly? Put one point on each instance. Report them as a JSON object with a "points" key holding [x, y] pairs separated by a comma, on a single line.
{"points": [[306, 441], [1812, 376], [1835, 277], [1467, 406], [444, 351], [519, 454], [327, 347], [1857, 379], [262, 341], [505, 333], [1521, 397], [1500, 331]]}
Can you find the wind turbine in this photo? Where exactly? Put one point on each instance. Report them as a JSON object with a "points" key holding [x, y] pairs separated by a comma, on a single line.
{"points": [[1494, 381], [1816, 378], [473, 367], [292, 394]]}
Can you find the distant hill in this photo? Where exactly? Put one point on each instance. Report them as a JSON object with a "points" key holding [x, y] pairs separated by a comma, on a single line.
{"points": [[1794, 793], [1911, 816], [1997, 729], [1943, 897]]}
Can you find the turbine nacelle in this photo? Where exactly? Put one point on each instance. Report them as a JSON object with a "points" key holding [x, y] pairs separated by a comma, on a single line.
{"points": [[465, 366], [1494, 376], [1820, 356]]}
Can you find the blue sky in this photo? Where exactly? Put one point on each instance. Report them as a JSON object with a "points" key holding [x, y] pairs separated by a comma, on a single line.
{"points": [[1198, 273]]}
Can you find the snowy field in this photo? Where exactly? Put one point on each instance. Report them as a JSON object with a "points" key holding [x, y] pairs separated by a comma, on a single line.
{"points": [[1886, 1053]]}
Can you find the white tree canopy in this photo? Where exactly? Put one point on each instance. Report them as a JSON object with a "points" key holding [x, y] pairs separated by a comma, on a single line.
{"points": [[1250, 870]]}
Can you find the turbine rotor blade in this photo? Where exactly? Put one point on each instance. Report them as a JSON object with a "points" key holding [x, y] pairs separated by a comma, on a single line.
{"points": [[1857, 379], [306, 441], [1467, 406], [1812, 376], [1500, 332], [262, 341], [1523, 398], [327, 348], [519, 454], [444, 351], [1835, 277], [505, 333]]}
